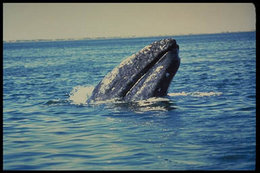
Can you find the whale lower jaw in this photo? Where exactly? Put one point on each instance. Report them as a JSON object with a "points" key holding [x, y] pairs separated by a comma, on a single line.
{"points": [[146, 74]]}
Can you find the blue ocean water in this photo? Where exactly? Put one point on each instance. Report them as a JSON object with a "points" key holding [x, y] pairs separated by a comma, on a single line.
{"points": [[207, 121]]}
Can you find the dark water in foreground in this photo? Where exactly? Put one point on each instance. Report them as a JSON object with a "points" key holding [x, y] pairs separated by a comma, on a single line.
{"points": [[207, 121]]}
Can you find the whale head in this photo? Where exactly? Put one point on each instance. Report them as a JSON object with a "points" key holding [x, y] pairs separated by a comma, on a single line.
{"points": [[147, 73]]}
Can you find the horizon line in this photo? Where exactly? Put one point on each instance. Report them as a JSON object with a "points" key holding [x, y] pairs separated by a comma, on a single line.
{"points": [[115, 37]]}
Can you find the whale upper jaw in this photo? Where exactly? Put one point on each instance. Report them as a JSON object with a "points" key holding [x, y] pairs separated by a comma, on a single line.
{"points": [[146, 74]]}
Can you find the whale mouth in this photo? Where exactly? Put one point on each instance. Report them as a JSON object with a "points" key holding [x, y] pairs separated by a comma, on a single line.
{"points": [[142, 72], [154, 66], [155, 78]]}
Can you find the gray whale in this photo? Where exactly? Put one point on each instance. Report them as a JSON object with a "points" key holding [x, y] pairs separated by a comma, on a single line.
{"points": [[147, 73]]}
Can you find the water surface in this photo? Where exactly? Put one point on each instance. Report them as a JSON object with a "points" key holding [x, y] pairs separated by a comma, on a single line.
{"points": [[207, 121]]}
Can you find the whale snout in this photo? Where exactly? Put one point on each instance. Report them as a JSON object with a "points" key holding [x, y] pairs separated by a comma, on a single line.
{"points": [[155, 82], [146, 74]]}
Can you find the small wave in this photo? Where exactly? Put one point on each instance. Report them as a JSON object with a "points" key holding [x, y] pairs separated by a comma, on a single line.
{"points": [[195, 94], [80, 94], [56, 102], [109, 101], [152, 104], [152, 100]]}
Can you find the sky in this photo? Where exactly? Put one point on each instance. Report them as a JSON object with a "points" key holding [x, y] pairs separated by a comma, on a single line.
{"points": [[30, 21]]}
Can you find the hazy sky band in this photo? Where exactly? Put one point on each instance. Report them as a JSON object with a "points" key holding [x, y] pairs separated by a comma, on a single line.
{"points": [[28, 21]]}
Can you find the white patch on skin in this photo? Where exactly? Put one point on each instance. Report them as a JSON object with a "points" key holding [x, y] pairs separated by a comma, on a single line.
{"points": [[146, 49], [158, 69], [105, 82], [161, 47], [167, 74], [150, 78], [103, 86], [127, 61], [162, 42], [159, 89]]}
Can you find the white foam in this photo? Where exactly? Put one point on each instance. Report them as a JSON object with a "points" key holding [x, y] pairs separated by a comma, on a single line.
{"points": [[177, 94], [196, 94], [80, 94], [110, 101], [151, 104], [151, 100]]}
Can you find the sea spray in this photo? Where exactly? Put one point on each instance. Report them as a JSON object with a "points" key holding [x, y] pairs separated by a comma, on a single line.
{"points": [[80, 94], [195, 94]]}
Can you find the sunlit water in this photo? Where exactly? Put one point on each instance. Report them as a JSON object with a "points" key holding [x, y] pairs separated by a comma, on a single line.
{"points": [[207, 120]]}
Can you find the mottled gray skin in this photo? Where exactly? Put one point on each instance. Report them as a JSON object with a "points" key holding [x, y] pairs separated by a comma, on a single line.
{"points": [[146, 74]]}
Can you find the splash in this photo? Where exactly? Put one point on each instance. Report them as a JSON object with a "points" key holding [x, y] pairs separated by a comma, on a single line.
{"points": [[152, 104], [80, 94], [195, 94]]}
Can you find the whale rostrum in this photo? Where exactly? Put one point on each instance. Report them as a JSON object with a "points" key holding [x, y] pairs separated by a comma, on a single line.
{"points": [[147, 73]]}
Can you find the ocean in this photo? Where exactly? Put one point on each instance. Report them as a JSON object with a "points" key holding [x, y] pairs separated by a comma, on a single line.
{"points": [[206, 122]]}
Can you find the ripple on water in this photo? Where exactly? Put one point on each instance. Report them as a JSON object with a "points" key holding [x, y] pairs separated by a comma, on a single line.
{"points": [[207, 121]]}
